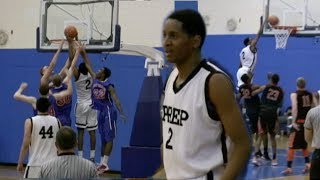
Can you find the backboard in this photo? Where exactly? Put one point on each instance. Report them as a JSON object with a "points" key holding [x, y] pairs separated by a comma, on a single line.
{"points": [[95, 20], [302, 14]]}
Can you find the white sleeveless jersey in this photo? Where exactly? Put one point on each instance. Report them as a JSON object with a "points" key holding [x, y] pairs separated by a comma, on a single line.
{"points": [[248, 58], [83, 86], [193, 141], [43, 136]]}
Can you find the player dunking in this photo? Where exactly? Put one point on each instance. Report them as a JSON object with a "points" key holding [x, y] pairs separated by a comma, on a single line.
{"points": [[301, 102], [248, 56], [86, 117]]}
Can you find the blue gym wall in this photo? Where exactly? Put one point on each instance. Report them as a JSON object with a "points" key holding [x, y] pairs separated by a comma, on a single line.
{"points": [[300, 59], [22, 65]]}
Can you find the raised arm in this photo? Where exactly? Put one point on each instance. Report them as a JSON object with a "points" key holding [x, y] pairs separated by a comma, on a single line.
{"points": [[67, 80], [73, 46], [25, 144], [259, 33], [222, 96], [117, 101], [48, 71], [258, 91], [88, 63], [24, 98]]}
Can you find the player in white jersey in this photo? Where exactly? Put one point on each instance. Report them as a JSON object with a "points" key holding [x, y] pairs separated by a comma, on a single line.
{"points": [[248, 56], [39, 139], [86, 117], [201, 120]]}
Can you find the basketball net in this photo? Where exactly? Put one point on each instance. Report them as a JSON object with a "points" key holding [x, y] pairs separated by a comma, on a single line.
{"points": [[281, 35]]}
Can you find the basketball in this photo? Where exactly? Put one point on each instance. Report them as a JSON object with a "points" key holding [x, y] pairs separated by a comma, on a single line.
{"points": [[273, 20], [70, 31]]}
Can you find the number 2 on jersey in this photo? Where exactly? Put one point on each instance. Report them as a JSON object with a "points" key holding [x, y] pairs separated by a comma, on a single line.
{"points": [[168, 145], [43, 132], [88, 83]]}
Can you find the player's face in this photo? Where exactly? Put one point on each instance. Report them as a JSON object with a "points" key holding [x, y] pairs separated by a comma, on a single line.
{"points": [[100, 74], [177, 44]]}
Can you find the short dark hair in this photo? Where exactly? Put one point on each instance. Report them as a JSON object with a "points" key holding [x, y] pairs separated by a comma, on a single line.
{"points": [[44, 89], [246, 41], [192, 23], [83, 68], [66, 138], [107, 72], [245, 78], [275, 78], [43, 104]]}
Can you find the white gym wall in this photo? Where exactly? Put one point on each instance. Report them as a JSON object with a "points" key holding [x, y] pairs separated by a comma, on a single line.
{"points": [[141, 21]]}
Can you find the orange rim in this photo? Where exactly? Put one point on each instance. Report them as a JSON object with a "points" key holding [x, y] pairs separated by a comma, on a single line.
{"points": [[293, 29]]}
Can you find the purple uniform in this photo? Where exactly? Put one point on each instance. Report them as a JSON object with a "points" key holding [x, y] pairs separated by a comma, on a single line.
{"points": [[102, 102], [62, 107]]}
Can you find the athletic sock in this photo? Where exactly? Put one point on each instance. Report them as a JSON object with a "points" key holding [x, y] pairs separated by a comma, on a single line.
{"points": [[80, 153]]}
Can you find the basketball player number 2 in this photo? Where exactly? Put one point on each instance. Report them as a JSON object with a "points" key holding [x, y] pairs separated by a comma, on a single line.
{"points": [[88, 82], [168, 146]]}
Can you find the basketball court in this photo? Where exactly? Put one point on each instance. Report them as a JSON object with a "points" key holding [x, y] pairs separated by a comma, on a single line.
{"points": [[296, 18]]}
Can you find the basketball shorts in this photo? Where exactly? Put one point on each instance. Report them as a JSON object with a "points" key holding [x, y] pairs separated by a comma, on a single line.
{"points": [[296, 140], [315, 165], [253, 120], [241, 71], [32, 172], [107, 124], [86, 117], [267, 122]]}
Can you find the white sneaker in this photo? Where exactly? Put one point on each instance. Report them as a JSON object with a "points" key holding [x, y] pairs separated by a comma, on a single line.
{"points": [[274, 162]]}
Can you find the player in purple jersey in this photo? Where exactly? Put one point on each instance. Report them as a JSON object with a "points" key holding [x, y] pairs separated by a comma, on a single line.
{"points": [[62, 106], [104, 98]]}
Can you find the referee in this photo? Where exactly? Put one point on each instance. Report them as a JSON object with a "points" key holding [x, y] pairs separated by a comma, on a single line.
{"points": [[67, 165], [311, 132]]}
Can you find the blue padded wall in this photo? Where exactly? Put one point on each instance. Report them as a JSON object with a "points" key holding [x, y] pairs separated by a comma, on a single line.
{"points": [[146, 128]]}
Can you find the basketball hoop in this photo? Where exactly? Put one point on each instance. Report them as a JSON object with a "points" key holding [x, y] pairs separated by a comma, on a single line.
{"points": [[281, 34]]}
